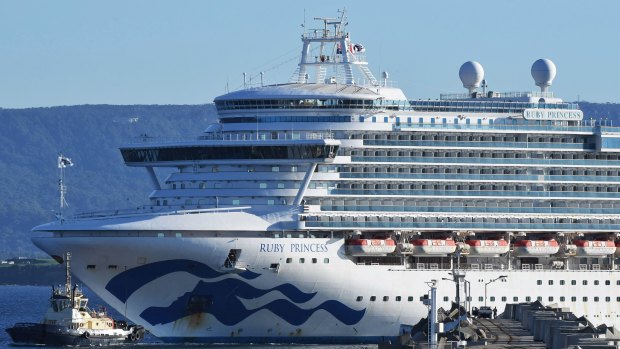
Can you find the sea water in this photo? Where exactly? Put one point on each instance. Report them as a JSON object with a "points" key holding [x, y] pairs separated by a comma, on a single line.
{"points": [[29, 303]]}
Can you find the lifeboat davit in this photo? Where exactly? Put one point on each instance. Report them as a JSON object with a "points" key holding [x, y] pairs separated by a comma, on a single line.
{"points": [[487, 248], [595, 248], [536, 247], [428, 247], [369, 247]]}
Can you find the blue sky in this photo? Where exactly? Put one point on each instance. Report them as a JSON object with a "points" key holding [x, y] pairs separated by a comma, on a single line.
{"points": [[187, 52]]}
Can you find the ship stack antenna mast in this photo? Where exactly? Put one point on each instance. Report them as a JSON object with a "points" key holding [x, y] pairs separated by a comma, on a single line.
{"points": [[63, 162], [68, 275]]}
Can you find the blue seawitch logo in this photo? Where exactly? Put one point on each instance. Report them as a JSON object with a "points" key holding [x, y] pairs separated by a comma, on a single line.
{"points": [[221, 299], [123, 285]]}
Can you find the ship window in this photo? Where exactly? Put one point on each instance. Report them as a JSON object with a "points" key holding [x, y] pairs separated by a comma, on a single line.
{"points": [[410, 299], [373, 298], [445, 299], [270, 202], [326, 260], [573, 299], [607, 282], [584, 282], [585, 299], [481, 299], [539, 298], [160, 235], [562, 282], [275, 169], [528, 298], [515, 299], [314, 260], [398, 298], [608, 299], [618, 282], [359, 298], [280, 185], [551, 299], [236, 202], [263, 185], [596, 282], [302, 260], [550, 282], [504, 299], [562, 299], [492, 299], [596, 299], [538, 282], [573, 282], [386, 298]]}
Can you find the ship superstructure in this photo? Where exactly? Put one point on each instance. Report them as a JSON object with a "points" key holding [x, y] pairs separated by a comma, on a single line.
{"points": [[314, 211]]}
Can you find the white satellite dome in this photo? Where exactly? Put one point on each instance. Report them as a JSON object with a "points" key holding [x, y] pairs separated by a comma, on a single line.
{"points": [[471, 74], [543, 72]]}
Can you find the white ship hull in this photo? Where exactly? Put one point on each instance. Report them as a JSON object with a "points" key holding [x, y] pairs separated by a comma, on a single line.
{"points": [[146, 279]]}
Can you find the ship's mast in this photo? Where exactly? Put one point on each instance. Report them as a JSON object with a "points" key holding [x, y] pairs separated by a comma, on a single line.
{"points": [[68, 275], [63, 162], [335, 50]]}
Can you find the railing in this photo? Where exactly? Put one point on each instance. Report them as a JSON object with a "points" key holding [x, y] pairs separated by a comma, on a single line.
{"points": [[470, 209], [468, 145], [502, 127], [486, 193], [259, 136], [467, 160], [150, 212], [480, 177], [467, 225]]}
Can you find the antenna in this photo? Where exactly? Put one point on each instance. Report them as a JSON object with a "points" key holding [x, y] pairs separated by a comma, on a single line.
{"points": [[63, 162]]}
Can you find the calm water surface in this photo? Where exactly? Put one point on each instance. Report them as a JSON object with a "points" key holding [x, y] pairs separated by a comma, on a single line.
{"points": [[29, 303]]}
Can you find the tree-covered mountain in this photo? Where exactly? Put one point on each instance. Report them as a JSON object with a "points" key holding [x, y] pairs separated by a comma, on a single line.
{"points": [[31, 139]]}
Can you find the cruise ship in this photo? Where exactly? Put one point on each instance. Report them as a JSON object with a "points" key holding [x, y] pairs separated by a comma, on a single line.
{"points": [[319, 210]]}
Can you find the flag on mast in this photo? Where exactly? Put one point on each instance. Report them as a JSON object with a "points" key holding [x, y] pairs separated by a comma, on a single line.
{"points": [[64, 161]]}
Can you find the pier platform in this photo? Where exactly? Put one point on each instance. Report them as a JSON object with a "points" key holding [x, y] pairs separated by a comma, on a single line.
{"points": [[504, 333]]}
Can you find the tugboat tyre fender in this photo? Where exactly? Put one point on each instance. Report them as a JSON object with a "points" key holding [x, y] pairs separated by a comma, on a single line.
{"points": [[132, 337], [138, 336], [86, 335]]}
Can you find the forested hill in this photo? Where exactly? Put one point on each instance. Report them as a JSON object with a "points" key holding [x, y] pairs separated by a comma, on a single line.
{"points": [[30, 140]]}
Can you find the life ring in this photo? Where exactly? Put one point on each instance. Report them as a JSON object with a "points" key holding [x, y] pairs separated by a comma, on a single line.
{"points": [[86, 335]]}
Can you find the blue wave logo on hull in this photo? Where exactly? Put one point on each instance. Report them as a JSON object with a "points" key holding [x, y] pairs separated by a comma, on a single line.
{"points": [[221, 299], [123, 285]]}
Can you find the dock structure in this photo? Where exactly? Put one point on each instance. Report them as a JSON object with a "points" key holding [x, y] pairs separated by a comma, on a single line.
{"points": [[531, 326]]}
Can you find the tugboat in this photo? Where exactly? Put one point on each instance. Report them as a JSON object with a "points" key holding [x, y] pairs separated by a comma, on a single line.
{"points": [[69, 321]]}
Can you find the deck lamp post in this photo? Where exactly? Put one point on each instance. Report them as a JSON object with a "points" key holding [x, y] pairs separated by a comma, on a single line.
{"points": [[487, 284]]}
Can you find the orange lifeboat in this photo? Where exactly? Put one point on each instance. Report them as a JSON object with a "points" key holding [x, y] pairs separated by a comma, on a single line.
{"points": [[536, 247], [487, 248], [369, 247], [428, 247], [595, 247]]}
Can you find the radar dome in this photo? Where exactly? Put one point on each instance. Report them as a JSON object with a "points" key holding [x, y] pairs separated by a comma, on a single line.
{"points": [[471, 74], [543, 72]]}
